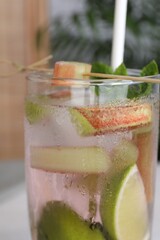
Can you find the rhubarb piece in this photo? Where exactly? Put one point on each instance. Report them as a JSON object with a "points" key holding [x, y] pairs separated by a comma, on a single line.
{"points": [[60, 95], [70, 159], [144, 141], [98, 120], [71, 69]]}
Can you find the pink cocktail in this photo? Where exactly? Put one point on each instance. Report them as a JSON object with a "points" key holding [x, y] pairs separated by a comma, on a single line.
{"points": [[90, 159]]}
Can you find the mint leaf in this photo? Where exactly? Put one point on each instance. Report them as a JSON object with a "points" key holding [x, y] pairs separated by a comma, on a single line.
{"points": [[150, 69], [121, 70], [135, 90], [143, 89], [97, 91], [101, 68]]}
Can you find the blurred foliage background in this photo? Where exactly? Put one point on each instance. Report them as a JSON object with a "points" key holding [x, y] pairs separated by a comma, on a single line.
{"points": [[87, 36]]}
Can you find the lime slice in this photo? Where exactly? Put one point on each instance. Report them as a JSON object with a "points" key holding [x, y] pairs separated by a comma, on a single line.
{"points": [[59, 222], [70, 159], [124, 207], [35, 110]]}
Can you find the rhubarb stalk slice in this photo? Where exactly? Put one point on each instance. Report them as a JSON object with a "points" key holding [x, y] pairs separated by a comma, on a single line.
{"points": [[99, 120], [144, 142]]}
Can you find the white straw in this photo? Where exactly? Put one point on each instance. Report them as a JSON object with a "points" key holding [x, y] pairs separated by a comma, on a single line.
{"points": [[119, 33]]}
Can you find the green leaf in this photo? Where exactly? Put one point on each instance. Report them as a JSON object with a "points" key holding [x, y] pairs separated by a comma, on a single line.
{"points": [[136, 91], [121, 70], [97, 90], [101, 68], [91, 19], [98, 67], [150, 69], [143, 89]]}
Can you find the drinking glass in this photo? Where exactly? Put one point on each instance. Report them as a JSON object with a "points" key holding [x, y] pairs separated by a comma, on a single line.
{"points": [[90, 157]]}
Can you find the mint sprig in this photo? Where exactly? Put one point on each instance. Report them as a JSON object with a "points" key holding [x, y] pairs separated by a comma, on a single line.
{"points": [[98, 67], [104, 68], [135, 90], [143, 89]]}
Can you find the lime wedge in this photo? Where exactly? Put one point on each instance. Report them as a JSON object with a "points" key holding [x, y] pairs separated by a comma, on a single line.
{"points": [[124, 207]]}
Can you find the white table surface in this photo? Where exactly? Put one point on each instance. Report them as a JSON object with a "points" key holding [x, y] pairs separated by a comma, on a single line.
{"points": [[14, 216]]}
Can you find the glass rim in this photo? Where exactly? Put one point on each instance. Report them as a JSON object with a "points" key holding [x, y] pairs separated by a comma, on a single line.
{"points": [[47, 77]]}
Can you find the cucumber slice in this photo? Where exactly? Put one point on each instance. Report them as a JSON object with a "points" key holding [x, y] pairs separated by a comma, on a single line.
{"points": [[70, 159], [124, 154]]}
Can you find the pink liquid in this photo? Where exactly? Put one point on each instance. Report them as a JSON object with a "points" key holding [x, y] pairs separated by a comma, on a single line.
{"points": [[80, 191]]}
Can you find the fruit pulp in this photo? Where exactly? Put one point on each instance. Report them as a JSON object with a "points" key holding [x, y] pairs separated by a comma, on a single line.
{"points": [[70, 180]]}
